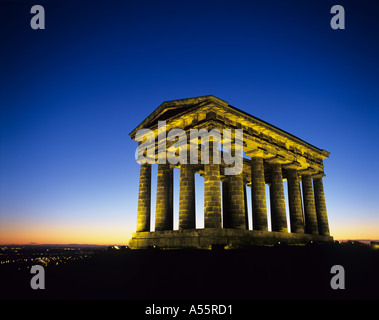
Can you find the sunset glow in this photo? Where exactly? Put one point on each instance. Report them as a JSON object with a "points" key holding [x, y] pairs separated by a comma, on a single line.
{"points": [[72, 93]]}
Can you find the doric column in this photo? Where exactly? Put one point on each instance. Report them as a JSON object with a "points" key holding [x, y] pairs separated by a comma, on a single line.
{"points": [[236, 201], [309, 205], [294, 199], [163, 213], [144, 198], [187, 197], [258, 194], [212, 192], [322, 217], [246, 209], [226, 223], [278, 209]]}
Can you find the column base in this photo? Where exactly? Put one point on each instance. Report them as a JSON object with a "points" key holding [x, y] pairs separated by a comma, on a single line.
{"points": [[230, 238]]}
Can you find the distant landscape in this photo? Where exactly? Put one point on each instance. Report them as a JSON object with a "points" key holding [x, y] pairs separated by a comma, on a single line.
{"points": [[54, 245], [365, 241], [258, 272]]}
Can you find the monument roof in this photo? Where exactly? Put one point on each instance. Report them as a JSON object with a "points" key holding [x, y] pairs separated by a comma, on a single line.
{"points": [[174, 108]]}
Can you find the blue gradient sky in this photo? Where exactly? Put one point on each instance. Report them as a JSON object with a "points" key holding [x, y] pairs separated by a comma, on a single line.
{"points": [[70, 95]]}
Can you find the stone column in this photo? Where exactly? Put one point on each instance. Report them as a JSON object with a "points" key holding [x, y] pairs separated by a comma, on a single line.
{"points": [[226, 223], [322, 217], [163, 213], [278, 209], [258, 194], [144, 198], [310, 216], [212, 192], [236, 201], [294, 199], [187, 197]]}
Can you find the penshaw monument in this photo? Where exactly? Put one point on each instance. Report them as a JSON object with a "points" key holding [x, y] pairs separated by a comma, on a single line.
{"points": [[232, 150]]}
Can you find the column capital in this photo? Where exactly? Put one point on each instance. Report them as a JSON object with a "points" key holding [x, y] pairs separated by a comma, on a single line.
{"points": [[305, 172], [277, 159], [319, 175], [293, 165], [257, 153]]}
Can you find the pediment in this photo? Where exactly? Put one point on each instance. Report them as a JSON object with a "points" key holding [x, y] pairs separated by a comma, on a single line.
{"points": [[175, 108], [257, 130]]}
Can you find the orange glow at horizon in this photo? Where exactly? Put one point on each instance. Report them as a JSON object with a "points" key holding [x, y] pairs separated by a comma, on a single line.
{"points": [[101, 234], [363, 232], [112, 233]]}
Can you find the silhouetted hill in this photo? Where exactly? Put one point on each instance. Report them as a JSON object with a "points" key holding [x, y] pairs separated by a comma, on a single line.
{"points": [[279, 272]]}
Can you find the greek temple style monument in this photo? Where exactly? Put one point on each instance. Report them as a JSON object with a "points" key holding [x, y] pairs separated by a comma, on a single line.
{"points": [[269, 156]]}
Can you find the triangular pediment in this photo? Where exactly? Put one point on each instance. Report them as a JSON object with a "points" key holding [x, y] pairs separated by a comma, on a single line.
{"points": [[220, 110], [174, 108]]}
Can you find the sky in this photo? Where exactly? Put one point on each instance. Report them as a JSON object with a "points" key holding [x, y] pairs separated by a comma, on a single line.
{"points": [[71, 93]]}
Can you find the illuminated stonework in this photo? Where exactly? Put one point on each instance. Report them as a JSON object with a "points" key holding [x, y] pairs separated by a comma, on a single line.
{"points": [[274, 156]]}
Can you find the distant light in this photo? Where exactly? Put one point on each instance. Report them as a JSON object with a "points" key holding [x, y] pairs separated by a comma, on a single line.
{"points": [[116, 247]]}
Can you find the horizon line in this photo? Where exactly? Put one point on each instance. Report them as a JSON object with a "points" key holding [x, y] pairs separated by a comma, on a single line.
{"points": [[117, 244]]}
